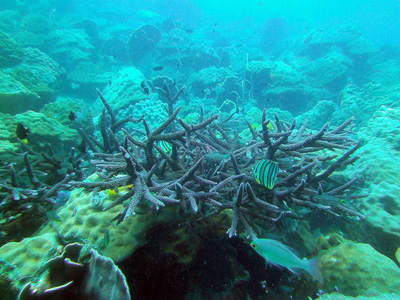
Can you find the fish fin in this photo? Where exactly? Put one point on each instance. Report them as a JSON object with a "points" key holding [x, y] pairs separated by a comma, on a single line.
{"points": [[313, 268]]}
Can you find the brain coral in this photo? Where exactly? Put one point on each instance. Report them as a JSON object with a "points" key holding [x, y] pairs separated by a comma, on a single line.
{"points": [[14, 96], [39, 73], [124, 90], [82, 219], [356, 269], [11, 53], [43, 129], [28, 255]]}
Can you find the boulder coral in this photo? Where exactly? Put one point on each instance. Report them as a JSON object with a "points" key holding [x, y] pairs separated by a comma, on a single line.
{"points": [[358, 269]]}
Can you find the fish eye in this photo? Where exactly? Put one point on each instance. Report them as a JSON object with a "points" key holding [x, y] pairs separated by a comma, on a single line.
{"points": [[254, 246]]}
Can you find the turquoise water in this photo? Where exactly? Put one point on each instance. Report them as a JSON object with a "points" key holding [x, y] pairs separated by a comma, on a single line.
{"points": [[199, 149]]}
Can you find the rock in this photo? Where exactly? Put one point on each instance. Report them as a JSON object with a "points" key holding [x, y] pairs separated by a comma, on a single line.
{"points": [[143, 41], [179, 51], [116, 48], [360, 47], [11, 53], [358, 269], [89, 26], [318, 42]]}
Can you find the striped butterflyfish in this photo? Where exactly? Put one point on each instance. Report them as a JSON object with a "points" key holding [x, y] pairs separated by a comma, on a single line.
{"points": [[266, 172], [165, 146]]}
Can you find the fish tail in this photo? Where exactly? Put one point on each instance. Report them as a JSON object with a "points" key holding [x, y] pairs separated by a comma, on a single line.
{"points": [[313, 269]]}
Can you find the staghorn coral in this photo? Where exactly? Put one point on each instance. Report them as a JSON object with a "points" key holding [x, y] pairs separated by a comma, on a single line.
{"points": [[32, 189], [186, 177]]}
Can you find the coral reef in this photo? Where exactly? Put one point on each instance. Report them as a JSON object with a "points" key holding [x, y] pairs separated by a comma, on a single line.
{"points": [[348, 267], [82, 219], [11, 53], [149, 143]]}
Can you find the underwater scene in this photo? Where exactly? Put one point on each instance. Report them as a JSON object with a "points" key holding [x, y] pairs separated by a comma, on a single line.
{"points": [[199, 149]]}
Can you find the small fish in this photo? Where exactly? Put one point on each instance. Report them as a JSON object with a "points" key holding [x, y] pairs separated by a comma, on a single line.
{"points": [[307, 40], [158, 68], [22, 132], [62, 196], [397, 254], [111, 193], [331, 200], [107, 237], [189, 31], [266, 172], [72, 116], [277, 253], [248, 154], [110, 82], [144, 87], [82, 147], [165, 146], [75, 86]]}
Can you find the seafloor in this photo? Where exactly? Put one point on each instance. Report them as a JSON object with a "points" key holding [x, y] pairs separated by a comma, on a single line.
{"points": [[127, 142]]}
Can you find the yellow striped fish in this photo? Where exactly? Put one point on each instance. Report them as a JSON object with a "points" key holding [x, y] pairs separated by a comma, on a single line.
{"points": [[266, 172], [165, 146]]}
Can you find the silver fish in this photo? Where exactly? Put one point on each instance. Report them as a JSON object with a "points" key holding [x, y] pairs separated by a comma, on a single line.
{"points": [[279, 254]]}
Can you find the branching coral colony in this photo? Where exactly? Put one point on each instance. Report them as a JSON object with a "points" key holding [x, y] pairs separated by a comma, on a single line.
{"points": [[207, 168]]}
